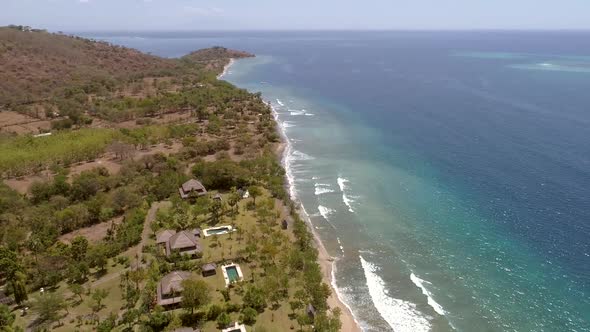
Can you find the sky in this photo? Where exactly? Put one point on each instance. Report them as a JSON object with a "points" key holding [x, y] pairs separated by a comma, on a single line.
{"points": [[151, 15]]}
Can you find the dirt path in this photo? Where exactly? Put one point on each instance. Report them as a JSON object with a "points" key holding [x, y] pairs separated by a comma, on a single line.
{"points": [[147, 226]]}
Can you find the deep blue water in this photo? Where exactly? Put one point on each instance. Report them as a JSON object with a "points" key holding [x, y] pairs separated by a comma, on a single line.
{"points": [[464, 157]]}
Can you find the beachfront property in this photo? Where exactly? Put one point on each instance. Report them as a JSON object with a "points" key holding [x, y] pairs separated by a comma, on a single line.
{"points": [[192, 188], [220, 230], [235, 328], [232, 273], [170, 289], [184, 242]]}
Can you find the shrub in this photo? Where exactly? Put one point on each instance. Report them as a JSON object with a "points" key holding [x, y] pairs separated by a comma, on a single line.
{"points": [[249, 316]]}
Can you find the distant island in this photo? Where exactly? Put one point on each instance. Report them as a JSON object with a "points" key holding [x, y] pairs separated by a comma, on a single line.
{"points": [[142, 193]]}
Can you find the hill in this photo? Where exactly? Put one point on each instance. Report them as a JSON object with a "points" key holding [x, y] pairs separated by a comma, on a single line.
{"points": [[36, 65]]}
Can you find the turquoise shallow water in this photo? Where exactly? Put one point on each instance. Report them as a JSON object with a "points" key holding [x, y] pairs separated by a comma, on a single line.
{"points": [[449, 172]]}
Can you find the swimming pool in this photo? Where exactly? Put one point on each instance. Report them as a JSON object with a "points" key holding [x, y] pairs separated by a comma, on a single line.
{"points": [[217, 230], [232, 273]]}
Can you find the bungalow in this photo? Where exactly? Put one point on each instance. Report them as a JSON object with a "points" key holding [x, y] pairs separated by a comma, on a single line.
{"points": [[209, 269], [170, 289], [192, 188], [185, 242]]}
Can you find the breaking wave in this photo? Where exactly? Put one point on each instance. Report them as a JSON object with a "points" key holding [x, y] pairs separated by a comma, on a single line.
{"points": [[322, 188], [401, 315], [345, 198], [420, 283]]}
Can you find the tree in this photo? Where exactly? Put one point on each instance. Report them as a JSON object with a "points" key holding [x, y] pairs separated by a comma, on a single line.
{"points": [[295, 305], [79, 248], [233, 199], [223, 320], [328, 323], [77, 290], [130, 317], [254, 191], [255, 298], [97, 257], [195, 294], [108, 324], [13, 272], [215, 210], [121, 150], [49, 305], [137, 276], [249, 316], [6, 318], [98, 296]]}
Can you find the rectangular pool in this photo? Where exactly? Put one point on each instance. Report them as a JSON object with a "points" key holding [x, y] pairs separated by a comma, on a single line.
{"points": [[232, 274]]}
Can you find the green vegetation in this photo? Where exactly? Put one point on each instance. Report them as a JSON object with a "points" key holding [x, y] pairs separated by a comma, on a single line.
{"points": [[26, 154]]}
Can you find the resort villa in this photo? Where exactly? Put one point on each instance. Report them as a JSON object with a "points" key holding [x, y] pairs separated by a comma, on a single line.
{"points": [[192, 188], [170, 289], [184, 242]]}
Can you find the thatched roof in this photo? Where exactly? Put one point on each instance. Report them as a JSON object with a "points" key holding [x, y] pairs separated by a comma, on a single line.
{"points": [[208, 267], [164, 236], [192, 186], [171, 283], [184, 241]]}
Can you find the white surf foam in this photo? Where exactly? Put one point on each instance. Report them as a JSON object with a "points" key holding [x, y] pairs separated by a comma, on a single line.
{"points": [[420, 283], [345, 198], [322, 188], [280, 102], [325, 212], [298, 155], [322, 191], [296, 112], [287, 124], [401, 315]]}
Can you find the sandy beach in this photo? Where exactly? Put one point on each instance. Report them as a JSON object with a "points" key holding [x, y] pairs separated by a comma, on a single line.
{"points": [[349, 324], [226, 68]]}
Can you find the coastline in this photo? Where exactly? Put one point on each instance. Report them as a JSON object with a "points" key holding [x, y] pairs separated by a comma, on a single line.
{"points": [[226, 68], [325, 260]]}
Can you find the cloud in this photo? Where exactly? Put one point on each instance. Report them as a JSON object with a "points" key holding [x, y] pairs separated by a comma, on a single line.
{"points": [[203, 11], [84, 1]]}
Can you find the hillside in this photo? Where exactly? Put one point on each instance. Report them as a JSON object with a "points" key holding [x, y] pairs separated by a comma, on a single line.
{"points": [[36, 65]]}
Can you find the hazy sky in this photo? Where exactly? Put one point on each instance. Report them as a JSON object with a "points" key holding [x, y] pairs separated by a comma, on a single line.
{"points": [[76, 15]]}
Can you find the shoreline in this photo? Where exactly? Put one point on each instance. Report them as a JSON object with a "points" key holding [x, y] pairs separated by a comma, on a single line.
{"points": [[325, 260], [226, 68]]}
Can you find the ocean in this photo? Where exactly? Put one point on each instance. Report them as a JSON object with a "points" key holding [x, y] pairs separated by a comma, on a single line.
{"points": [[449, 172]]}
